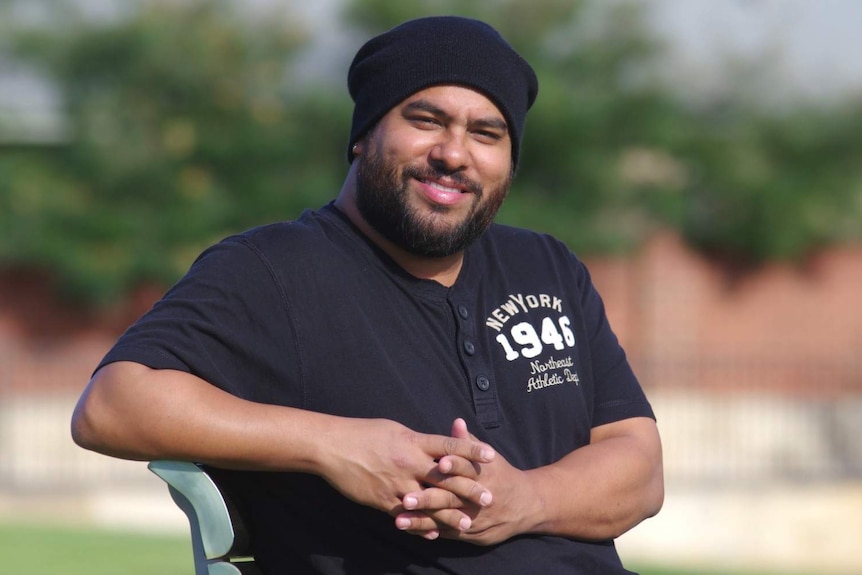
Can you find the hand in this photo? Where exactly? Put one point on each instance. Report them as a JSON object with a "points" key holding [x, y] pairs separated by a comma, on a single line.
{"points": [[449, 511], [376, 462], [596, 492], [445, 501]]}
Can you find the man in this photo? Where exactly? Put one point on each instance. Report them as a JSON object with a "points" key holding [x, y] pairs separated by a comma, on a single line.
{"points": [[391, 383]]}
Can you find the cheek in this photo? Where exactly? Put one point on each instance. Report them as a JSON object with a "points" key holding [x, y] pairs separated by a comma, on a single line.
{"points": [[405, 144], [496, 170]]}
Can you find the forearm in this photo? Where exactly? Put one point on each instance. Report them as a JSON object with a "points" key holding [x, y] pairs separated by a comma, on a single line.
{"points": [[133, 412], [601, 490]]}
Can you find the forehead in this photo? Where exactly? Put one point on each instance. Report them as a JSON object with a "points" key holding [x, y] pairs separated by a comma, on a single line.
{"points": [[455, 101]]}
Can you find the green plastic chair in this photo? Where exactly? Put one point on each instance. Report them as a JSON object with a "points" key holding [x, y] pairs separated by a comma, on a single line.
{"points": [[220, 543]]}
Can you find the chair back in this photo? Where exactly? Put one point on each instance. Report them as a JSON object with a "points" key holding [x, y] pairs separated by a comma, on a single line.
{"points": [[221, 544]]}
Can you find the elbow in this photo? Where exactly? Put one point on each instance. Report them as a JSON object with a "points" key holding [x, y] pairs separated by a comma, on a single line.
{"points": [[648, 501], [651, 492], [102, 433], [656, 484], [99, 422], [85, 427], [115, 414], [651, 497], [654, 499]]}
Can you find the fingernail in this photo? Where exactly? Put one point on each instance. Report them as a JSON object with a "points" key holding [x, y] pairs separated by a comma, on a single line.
{"points": [[465, 523], [402, 524], [410, 502], [487, 454], [486, 498]]}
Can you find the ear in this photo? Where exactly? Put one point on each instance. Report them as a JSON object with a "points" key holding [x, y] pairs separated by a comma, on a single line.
{"points": [[357, 149]]}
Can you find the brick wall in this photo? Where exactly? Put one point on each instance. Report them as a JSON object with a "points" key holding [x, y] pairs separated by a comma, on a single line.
{"points": [[686, 322], [689, 323]]}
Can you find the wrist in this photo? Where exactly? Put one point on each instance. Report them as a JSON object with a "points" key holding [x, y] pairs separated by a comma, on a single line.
{"points": [[535, 515]]}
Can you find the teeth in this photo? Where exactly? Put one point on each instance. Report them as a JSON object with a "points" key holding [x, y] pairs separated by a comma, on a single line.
{"points": [[444, 188]]}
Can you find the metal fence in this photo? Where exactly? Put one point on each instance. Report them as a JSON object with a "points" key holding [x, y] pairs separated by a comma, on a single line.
{"points": [[709, 438]]}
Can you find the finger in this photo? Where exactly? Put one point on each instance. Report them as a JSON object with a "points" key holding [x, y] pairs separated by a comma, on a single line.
{"points": [[467, 490], [459, 429], [431, 499], [449, 490], [460, 481], [454, 493], [425, 524], [468, 447], [471, 449], [454, 465]]}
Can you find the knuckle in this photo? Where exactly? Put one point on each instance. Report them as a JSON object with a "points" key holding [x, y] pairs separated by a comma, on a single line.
{"points": [[400, 462], [450, 447]]}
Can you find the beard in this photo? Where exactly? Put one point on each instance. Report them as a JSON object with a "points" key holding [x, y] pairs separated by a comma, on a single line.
{"points": [[382, 198]]}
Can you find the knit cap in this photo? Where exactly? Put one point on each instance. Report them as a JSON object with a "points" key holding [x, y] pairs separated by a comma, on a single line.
{"points": [[426, 52]]}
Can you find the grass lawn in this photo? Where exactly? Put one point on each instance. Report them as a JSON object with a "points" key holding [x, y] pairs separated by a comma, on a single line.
{"points": [[38, 550]]}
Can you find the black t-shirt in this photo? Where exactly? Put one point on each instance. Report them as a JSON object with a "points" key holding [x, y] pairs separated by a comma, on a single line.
{"points": [[311, 314]]}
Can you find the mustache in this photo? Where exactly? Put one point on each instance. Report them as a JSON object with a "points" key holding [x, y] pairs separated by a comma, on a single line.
{"points": [[431, 173]]}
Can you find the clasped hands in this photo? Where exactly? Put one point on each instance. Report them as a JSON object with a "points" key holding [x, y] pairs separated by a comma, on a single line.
{"points": [[434, 486]]}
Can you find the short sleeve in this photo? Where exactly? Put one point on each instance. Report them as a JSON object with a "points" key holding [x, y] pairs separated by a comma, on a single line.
{"points": [[618, 394], [225, 321]]}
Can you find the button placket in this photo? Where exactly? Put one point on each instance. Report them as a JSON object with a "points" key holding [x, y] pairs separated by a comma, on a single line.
{"points": [[476, 366]]}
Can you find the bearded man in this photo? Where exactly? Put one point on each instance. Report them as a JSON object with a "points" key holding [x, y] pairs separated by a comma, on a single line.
{"points": [[392, 383]]}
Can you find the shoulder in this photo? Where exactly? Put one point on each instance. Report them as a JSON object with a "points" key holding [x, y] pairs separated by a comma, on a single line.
{"points": [[311, 236], [530, 258], [524, 245], [309, 228]]}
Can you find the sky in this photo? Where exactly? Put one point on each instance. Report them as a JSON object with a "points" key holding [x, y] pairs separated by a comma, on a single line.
{"points": [[817, 43]]}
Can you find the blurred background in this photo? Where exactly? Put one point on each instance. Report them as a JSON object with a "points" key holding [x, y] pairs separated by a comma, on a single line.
{"points": [[703, 156]]}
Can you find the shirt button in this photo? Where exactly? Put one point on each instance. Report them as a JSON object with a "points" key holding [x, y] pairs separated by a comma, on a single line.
{"points": [[469, 347], [483, 383], [463, 311]]}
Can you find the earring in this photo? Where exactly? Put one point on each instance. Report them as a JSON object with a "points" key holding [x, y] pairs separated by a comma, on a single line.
{"points": [[355, 149]]}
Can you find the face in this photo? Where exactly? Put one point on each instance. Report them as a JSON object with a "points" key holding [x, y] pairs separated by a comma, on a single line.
{"points": [[434, 171]]}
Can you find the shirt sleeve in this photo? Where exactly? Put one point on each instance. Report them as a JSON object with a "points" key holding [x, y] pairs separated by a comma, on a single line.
{"points": [[225, 321], [618, 394]]}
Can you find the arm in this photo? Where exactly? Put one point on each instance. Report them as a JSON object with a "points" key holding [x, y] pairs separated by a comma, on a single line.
{"points": [[134, 412], [596, 492]]}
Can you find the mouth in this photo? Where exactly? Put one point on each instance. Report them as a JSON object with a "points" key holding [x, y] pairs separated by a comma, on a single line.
{"points": [[447, 189], [443, 193]]}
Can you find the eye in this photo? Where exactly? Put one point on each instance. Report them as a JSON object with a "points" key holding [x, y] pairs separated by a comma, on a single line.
{"points": [[424, 122], [487, 136]]}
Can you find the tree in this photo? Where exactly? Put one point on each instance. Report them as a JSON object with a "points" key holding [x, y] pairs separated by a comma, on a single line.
{"points": [[182, 131], [188, 123]]}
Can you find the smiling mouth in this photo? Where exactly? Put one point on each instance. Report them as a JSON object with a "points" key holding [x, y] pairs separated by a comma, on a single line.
{"points": [[442, 188], [443, 182]]}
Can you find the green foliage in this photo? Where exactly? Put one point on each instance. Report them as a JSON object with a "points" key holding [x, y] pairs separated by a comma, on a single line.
{"points": [[187, 122], [182, 131], [774, 187]]}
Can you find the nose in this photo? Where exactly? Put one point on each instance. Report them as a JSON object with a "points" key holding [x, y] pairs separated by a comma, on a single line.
{"points": [[450, 152]]}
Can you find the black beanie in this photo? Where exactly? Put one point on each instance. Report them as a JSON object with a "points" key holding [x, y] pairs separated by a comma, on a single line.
{"points": [[433, 51]]}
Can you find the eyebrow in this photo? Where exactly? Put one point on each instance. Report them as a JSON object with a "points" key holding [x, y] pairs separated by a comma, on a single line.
{"points": [[426, 106]]}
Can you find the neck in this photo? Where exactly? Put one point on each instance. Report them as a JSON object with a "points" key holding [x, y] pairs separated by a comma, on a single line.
{"points": [[443, 270]]}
